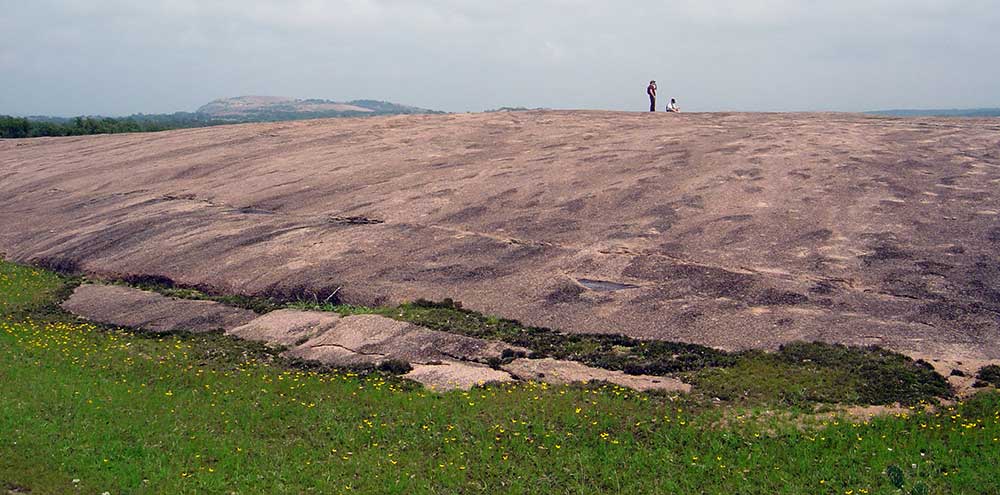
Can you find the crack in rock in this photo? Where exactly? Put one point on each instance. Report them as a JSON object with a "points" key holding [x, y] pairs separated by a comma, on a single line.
{"points": [[355, 351]]}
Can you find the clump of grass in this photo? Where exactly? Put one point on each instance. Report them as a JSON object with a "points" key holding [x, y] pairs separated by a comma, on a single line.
{"points": [[26, 290], [898, 480]]}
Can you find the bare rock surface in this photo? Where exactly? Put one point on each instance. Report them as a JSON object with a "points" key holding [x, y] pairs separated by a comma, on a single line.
{"points": [[373, 338], [452, 375], [286, 327], [560, 372], [731, 230], [127, 307]]}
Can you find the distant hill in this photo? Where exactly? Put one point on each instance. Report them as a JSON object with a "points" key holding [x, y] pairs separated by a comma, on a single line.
{"points": [[236, 110], [265, 108], [954, 112]]}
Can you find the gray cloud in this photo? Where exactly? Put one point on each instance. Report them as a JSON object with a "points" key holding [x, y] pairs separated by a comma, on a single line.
{"points": [[121, 56]]}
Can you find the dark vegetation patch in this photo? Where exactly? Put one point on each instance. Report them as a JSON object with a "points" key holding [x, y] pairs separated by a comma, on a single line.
{"points": [[59, 264], [148, 281], [801, 373], [988, 375]]}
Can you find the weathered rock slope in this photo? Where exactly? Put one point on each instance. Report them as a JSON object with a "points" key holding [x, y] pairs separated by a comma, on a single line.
{"points": [[732, 230]]}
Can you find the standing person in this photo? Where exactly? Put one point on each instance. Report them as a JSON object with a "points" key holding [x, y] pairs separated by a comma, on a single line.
{"points": [[672, 106], [651, 91]]}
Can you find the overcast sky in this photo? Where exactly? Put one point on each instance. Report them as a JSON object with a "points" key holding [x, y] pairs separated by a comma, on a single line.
{"points": [[114, 57]]}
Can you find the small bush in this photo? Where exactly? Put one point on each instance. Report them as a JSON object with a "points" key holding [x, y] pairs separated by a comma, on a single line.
{"points": [[989, 374], [395, 366]]}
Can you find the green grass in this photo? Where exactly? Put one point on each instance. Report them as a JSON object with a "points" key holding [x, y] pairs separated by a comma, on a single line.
{"points": [[27, 290], [88, 409]]}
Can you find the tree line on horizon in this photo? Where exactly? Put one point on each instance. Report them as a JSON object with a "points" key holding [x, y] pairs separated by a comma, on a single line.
{"points": [[28, 127], [41, 126]]}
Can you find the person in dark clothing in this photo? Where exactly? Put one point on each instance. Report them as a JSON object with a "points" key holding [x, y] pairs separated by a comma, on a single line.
{"points": [[651, 91]]}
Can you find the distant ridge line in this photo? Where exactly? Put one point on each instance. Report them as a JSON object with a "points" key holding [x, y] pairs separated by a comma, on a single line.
{"points": [[941, 112]]}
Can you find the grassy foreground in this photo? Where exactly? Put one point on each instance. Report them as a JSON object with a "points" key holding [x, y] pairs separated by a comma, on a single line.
{"points": [[87, 409]]}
